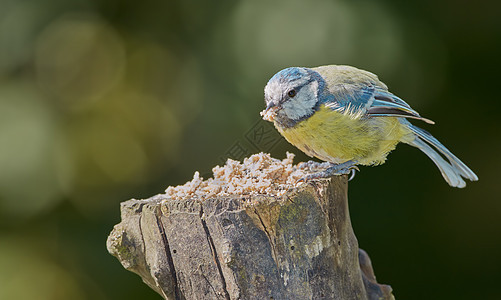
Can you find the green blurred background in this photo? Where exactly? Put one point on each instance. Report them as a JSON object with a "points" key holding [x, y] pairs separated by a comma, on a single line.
{"points": [[105, 100]]}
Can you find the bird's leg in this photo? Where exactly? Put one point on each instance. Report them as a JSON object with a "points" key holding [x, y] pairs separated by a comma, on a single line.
{"points": [[348, 167], [317, 165]]}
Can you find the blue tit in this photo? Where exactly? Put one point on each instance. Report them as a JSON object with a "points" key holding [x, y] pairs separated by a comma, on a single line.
{"points": [[347, 117]]}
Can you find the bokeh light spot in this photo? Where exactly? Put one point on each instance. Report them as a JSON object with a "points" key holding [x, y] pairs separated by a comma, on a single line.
{"points": [[27, 132], [28, 274], [79, 58]]}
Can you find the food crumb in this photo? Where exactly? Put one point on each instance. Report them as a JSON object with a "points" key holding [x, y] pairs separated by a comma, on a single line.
{"points": [[257, 174]]}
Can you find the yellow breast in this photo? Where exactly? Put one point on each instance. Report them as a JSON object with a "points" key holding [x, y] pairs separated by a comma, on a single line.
{"points": [[337, 137]]}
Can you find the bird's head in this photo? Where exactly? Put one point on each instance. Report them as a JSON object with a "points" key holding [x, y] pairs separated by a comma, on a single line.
{"points": [[291, 95]]}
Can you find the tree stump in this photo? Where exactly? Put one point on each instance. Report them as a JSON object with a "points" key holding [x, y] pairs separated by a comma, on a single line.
{"points": [[298, 246]]}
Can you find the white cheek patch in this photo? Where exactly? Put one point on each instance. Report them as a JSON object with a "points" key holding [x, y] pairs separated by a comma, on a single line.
{"points": [[302, 104], [272, 90]]}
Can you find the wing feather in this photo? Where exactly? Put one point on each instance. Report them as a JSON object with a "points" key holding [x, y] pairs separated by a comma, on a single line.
{"points": [[386, 105], [367, 100]]}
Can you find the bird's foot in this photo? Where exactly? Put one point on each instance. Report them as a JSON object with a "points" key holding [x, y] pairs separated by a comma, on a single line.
{"points": [[313, 165], [349, 167]]}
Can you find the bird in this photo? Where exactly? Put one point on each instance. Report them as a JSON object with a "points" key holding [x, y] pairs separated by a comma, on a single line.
{"points": [[347, 117]]}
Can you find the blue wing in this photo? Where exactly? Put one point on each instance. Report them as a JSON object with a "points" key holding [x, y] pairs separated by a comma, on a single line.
{"points": [[370, 101]]}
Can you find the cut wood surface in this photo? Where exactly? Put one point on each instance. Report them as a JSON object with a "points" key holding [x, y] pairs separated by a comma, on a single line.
{"points": [[298, 246]]}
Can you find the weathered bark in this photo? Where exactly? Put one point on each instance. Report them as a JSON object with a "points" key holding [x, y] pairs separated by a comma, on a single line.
{"points": [[299, 246]]}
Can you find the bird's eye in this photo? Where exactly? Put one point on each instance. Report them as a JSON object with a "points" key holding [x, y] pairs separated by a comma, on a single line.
{"points": [[291, 93]]}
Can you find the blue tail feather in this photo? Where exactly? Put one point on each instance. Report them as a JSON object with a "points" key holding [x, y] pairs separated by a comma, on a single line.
{"points": [[452, 169]]}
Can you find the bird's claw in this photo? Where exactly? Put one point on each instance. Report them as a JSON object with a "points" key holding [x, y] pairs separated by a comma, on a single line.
{"points": [[353, 171]]}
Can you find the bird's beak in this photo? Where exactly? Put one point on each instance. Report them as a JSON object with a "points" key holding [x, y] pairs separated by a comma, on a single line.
{"points": [[270, 112]]}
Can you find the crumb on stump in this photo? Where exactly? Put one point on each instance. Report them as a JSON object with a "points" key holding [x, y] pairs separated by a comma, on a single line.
{"points": [[257, 174]]}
